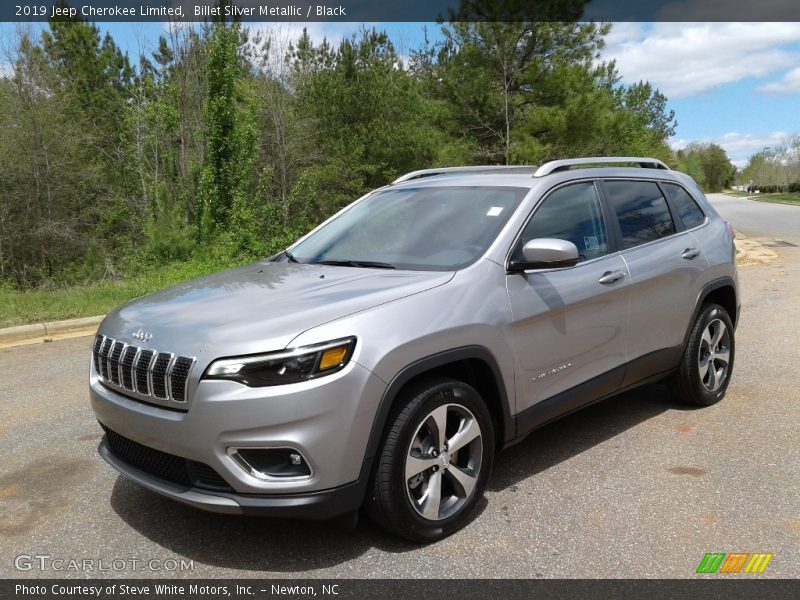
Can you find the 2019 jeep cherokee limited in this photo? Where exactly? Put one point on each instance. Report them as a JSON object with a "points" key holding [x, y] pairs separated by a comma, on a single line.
{"points": [[384, 357]]}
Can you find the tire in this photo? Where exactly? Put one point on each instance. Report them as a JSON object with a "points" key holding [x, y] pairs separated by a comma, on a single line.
{"points": [[711, 343], [410, 467]]}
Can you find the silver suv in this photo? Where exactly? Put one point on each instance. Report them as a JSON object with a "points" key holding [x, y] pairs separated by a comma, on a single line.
{"points": [[386, 356]]}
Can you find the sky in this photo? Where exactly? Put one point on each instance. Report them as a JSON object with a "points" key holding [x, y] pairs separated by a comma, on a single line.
{"points": [[734, 84]]}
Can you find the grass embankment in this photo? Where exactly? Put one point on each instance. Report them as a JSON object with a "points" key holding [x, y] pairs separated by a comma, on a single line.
{"points": [[778, 198], [793, 198], [43, 304]]}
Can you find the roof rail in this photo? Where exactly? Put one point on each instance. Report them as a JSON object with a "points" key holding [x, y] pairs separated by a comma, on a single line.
{"points": [[563, 165], [477, 170]]}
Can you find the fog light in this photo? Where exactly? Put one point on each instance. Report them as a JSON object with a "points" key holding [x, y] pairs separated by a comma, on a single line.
{"points": [[271, 463]]}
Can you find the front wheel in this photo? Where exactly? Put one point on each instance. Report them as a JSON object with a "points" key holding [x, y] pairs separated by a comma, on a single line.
{"points": [[434, 463], [707, 363]]}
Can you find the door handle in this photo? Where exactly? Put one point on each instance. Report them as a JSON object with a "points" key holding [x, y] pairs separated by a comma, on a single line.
{"points": [[690, 253], [611, 276]]}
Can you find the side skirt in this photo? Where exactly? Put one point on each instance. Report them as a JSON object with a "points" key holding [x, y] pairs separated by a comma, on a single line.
{"points": [[641, 371]]}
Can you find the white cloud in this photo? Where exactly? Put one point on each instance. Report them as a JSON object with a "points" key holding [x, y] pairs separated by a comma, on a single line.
{"points": [[788, 84], [739, 146], [684, 59]]}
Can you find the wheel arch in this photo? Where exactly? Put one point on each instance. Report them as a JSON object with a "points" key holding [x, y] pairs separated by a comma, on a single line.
{"points": [[721, 291], [474, 365]]}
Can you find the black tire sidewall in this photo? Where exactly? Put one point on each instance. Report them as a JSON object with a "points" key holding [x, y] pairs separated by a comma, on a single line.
{"points": [[696, 391], [437, 395]]}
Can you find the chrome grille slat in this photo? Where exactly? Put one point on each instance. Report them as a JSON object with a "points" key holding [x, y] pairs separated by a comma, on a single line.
{"points": [[113, 361], [126, 367], [159, 374], [159, 377], [178, 377], [143, 364], [99, 340], [104, 350]]}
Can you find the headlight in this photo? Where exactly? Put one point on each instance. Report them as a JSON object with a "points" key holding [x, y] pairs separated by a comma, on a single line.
{"points": [[287, 366]]}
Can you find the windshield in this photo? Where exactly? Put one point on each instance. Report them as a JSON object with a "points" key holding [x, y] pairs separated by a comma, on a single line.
{"points": [[431, 228]]}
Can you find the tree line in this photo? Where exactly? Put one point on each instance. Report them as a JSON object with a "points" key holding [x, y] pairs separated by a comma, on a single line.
{"points": [[774, 169], [227, 141]]}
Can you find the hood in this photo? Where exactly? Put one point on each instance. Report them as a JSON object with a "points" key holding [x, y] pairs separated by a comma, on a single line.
{"points": [[259, 307]]}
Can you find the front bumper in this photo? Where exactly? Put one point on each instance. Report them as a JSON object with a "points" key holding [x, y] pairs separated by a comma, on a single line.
{"points": [[328, 420], [312, 505]]}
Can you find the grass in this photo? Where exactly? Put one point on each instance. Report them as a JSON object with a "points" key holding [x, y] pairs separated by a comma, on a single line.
{"points": [[789, 198], [779, 198], [32, 306]]}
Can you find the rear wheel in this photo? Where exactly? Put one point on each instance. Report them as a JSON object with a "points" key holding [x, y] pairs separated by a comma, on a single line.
{"points": [[707, 363], [435, 462]]}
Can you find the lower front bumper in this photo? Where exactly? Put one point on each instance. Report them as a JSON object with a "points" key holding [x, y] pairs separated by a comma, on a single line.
{"points": [[318, 505]]}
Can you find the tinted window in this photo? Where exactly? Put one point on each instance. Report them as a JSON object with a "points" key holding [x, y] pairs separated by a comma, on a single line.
{"points": [[641, 210], [687, 208], [570, 213], [427, 228]]}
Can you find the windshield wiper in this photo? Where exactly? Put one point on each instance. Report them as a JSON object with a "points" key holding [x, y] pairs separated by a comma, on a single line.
{"points": [[367, 264], [290, 257]]}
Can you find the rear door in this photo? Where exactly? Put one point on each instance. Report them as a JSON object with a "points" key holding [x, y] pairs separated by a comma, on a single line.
{"points": [[569, 325], [666, 267]]}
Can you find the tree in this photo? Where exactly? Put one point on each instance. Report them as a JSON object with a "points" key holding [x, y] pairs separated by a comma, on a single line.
{"points": [[510, 68], [709, 165]]}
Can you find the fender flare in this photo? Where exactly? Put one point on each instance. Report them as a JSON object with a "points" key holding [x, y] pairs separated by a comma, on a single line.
{"points": [[426, 364], [711, 286]]}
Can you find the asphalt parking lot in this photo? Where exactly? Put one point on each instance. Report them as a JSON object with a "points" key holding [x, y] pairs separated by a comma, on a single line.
{"points": [[636, 486]]}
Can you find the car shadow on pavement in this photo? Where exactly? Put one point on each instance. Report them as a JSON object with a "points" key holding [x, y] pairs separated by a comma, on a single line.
{"points": [[249, 543], [282, 545], [578, 432]]}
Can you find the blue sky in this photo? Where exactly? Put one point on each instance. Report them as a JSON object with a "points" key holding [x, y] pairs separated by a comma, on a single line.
{"points": [[735, 84]]}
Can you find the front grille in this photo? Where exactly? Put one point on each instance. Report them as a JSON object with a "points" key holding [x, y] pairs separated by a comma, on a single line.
{"points": [[177, 379], [181, 471], [141, 371], [126, 367], [105, 347], [113, 361], [160, 368], [158, 376]]}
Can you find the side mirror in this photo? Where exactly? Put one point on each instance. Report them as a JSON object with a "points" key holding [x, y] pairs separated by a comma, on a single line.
{"points": [[547, 253]]}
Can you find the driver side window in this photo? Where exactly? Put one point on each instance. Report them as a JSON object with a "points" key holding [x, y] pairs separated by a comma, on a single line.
{"points": [[570, 213]]}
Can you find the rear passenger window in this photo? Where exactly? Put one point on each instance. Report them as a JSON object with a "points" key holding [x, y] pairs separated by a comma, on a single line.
{"points": [[641, 210], [687, 208], [570, 213]]}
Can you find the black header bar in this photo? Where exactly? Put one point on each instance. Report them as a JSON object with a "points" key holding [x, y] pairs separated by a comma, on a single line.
{"points": [[187, 11]]}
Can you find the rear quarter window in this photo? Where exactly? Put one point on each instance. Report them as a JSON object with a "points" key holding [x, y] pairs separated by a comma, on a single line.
{"points": [[641, 211], [688, 210]]}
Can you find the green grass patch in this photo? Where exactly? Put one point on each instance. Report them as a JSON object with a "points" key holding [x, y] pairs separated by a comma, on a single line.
{"points": [[736, 193], [36, 305], [778, 198]]}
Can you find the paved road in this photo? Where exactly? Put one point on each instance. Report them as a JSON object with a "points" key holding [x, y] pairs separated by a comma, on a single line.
{"points": [[637, 486], [759, 219]]}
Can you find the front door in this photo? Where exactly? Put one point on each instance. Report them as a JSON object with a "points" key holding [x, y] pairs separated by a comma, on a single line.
{"points": [[569, 326]]}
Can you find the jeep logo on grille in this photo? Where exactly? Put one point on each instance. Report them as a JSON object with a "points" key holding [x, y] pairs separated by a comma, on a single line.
{"points": [[143, 335]]}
